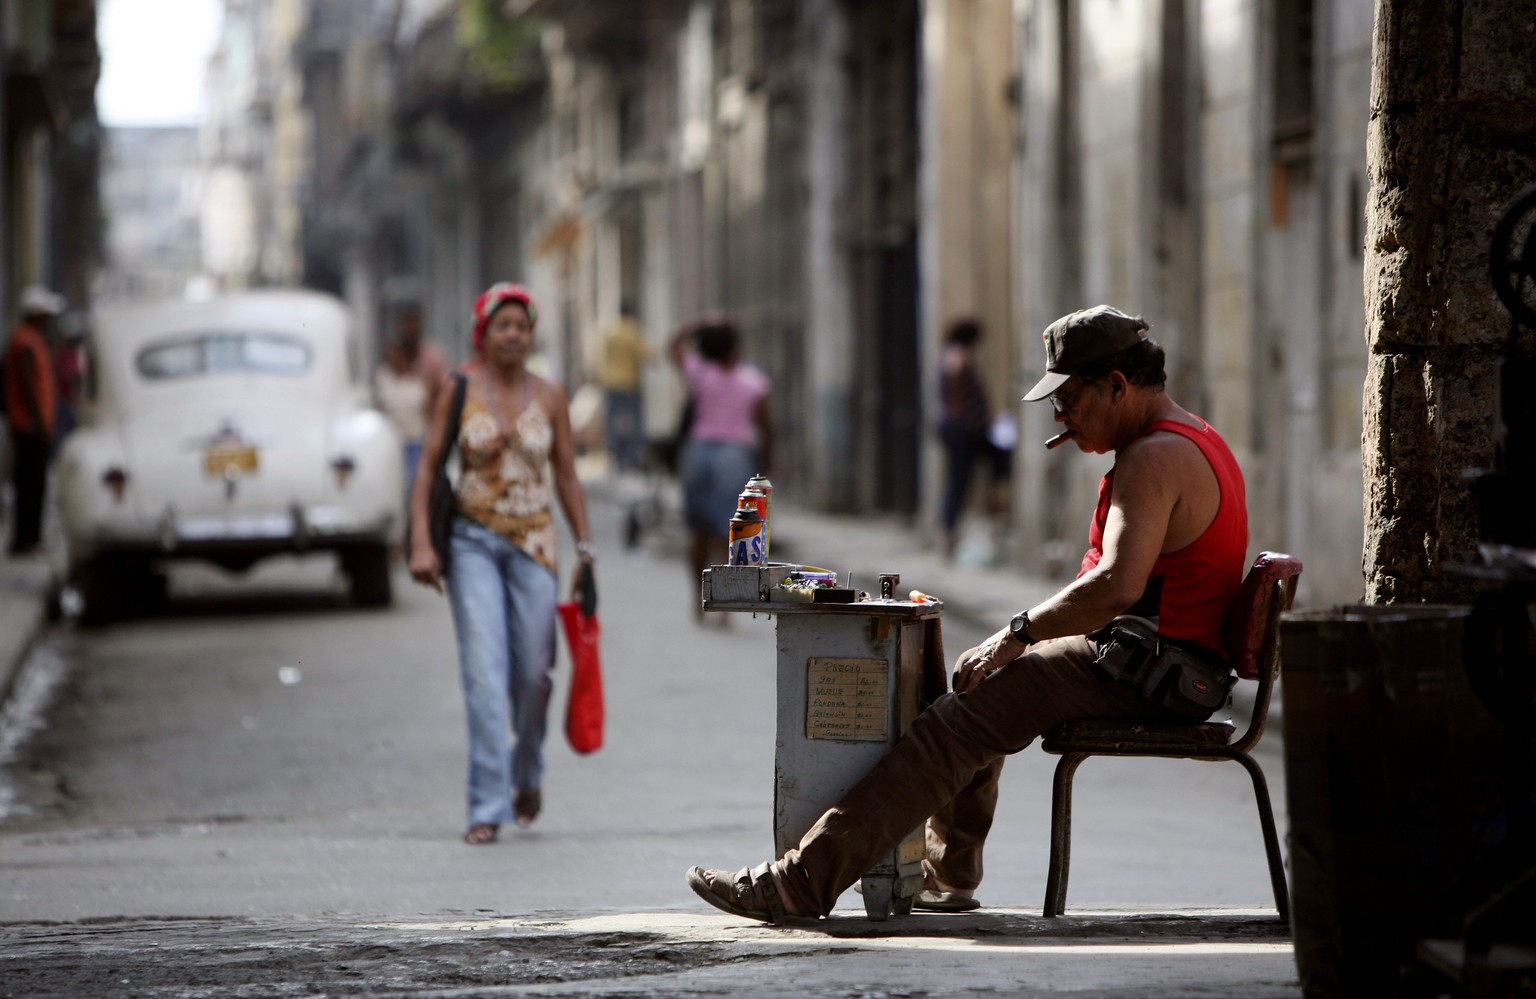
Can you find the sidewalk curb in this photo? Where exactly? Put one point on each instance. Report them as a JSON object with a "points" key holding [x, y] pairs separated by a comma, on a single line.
{"points": [[27, 595]]}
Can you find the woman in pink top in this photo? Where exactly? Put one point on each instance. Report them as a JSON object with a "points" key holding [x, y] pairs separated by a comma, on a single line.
{"points": [[729, 440]]}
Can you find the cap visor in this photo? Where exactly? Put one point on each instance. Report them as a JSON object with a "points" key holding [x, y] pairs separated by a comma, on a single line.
{"points": [[1045, 386]]}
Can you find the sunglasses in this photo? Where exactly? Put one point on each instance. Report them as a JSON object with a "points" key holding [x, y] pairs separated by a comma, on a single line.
{"points": [[1063, 402]]}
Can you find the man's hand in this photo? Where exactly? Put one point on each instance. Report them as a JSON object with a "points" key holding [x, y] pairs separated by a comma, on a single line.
{"points": [[998, 651]]}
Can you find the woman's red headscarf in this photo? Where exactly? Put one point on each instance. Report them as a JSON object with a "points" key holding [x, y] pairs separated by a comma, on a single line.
{"points": [[495, 297]]}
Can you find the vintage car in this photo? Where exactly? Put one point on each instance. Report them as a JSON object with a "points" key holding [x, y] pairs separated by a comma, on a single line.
{"points": [[227, 429]]}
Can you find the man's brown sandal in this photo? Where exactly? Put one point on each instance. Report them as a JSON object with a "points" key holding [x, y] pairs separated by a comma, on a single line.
{"points": [[750, 893], [480, 834]]}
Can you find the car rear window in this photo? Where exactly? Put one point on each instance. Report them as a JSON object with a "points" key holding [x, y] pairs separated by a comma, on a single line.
{"points": [[225, 354]]}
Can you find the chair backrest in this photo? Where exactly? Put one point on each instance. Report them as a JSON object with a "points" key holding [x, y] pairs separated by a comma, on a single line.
{"points": [[1254, 617], [1253, 630]]}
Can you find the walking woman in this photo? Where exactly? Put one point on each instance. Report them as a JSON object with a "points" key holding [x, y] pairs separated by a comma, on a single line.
{"points": [[965, 419], [501, 574], [729, 438]]}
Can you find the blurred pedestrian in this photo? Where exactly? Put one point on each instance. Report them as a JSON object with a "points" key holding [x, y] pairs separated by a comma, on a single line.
{"points": [[69, 374], [514, 441], [729, 435], [965, 423], [31, 411], [626, 352], [406, 385]]}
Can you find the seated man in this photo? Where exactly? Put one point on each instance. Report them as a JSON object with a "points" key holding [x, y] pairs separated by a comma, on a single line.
{"points": [[1168, 542]]}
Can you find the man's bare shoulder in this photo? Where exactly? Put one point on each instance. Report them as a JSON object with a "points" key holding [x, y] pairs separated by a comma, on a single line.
{"points": [[1168, 470], [1162, 456], [1158, 445]]}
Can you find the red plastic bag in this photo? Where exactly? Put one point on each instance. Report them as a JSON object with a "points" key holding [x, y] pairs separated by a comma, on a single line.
{"points": [[584, 712]]}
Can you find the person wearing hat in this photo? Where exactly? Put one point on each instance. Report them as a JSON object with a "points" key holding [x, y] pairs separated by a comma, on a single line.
{"points": [[31, 411], [1167, 541], [516, 457]]}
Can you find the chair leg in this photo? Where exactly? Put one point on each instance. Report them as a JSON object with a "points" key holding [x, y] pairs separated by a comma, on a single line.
{"points": [[1271, 838], [1061, 834]]}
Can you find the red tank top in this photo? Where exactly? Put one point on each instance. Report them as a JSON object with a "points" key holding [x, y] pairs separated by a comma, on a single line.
{"points": [[1190, 589]]}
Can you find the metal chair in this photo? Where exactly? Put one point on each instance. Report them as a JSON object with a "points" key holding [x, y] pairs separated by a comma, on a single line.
{"points": [[1253, 639]]}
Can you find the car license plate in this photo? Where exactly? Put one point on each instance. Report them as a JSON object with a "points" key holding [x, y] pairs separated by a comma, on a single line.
{"points": [[220, 460]]}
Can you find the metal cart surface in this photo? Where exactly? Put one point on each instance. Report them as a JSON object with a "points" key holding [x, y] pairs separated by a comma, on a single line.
{"points": [[852, 675]]}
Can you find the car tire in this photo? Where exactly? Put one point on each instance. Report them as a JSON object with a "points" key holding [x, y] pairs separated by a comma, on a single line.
{"points": [[367, 569], [112, 587], [100, 588]]}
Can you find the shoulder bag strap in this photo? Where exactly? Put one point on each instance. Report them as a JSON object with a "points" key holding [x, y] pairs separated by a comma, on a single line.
{"points": [[455, 413]]}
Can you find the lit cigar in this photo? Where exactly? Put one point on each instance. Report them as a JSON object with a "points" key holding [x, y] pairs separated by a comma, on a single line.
{"points": [[1058, 440]]}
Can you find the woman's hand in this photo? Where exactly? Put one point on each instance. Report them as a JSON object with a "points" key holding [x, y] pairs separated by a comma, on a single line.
{"points": [[998, 651], [584, 585], [425, 566]]}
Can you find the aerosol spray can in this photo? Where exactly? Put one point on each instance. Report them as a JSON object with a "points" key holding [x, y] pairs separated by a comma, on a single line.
{"points": [[746, 535], [761, 484], [758, 500]]}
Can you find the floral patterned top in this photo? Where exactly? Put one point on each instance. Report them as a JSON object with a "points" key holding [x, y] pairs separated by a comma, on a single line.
{"points": [[504, 483]]}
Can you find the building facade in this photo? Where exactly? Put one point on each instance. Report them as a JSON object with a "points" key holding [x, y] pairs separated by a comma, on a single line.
{"points": [[256, 140], [151, 192], [846, 177], [50, 150]]}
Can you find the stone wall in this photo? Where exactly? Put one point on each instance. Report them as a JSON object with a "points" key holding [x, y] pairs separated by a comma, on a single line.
{"points": [[1452, 142]]}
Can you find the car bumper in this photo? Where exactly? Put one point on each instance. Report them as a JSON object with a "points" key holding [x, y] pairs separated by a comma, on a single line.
{"points": [[297, 530]]}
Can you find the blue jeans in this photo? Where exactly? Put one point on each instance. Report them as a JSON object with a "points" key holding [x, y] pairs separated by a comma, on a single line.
{"points": [[713, 474], [504, 614], [963, 449], [412, 458]]}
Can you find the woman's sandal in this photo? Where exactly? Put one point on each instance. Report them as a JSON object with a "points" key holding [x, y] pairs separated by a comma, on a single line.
{"points": [[480, 834], [750, 892], [526, 807]]}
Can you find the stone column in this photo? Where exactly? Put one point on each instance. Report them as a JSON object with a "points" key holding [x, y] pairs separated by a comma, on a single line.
{"points": [[1452, 141]]}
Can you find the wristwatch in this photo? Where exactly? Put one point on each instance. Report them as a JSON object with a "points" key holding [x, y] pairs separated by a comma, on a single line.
{"points": [[1019, 627]]}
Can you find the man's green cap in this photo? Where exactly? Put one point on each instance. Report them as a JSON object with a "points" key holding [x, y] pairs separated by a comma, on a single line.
{"points": [[1081, 338]]}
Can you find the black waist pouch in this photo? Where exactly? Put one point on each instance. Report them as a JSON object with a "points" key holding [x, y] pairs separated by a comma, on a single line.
{"points": [[1187, 682]]}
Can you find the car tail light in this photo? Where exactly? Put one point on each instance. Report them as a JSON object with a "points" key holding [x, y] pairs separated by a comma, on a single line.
{"points": [[342, 465], [116, 481]]}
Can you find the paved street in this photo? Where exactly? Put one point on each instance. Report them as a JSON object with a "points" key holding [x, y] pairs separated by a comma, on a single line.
{"points": [[262, 787]]}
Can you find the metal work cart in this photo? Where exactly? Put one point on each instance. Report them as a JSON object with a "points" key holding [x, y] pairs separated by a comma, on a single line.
{"points": [[853, 672]]}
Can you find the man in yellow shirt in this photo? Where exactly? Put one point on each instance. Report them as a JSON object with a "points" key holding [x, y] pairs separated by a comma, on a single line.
{"points": [[625, 354]]}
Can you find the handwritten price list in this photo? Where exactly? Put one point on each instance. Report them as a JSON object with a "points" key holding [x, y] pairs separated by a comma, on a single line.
{"points": [[846, 699]]}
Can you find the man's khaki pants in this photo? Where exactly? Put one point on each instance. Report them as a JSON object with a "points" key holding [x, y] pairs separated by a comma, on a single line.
{"points": [[947, 767]]}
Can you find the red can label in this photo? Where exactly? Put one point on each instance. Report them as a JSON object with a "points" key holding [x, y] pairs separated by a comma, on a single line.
{"points": [[760, 494]]}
